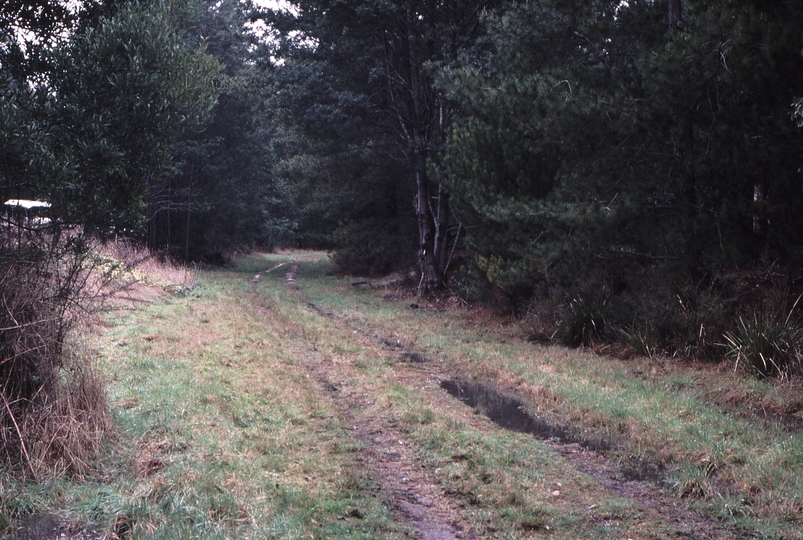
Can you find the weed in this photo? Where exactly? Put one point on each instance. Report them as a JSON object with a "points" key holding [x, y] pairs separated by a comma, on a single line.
{"points": [[640, 339], [767, 342], [693, 479], [421, 415], [584, 321]]}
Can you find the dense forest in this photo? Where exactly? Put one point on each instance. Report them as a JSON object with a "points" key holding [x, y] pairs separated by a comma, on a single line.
{"points": [[612, 171]]}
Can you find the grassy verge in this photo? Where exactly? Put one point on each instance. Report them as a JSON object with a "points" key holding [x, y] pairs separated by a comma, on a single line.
{"points": [[220, 435], [697, 425]]}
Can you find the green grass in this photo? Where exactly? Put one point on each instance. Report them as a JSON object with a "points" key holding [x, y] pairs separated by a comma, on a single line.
{"points": [[223, 431], [206, 388], [658, 409]]}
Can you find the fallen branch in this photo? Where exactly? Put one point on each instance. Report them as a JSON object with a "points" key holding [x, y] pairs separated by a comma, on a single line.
{"points": [[269, 270]]}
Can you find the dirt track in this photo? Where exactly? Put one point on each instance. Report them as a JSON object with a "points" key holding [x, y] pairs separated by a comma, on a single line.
{"points": [[405, 481]]}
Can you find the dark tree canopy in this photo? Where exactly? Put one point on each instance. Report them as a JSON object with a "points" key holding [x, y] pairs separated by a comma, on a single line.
{"points": [[360, 78], [225, 195], [611, 147], [91, 116], [643, 153]]}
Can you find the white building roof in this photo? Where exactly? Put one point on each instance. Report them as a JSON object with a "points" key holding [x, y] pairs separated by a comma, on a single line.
{"points": [[27, 204]]}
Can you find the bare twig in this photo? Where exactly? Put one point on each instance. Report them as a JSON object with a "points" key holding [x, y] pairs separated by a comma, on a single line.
{"points": [[19, 434]]}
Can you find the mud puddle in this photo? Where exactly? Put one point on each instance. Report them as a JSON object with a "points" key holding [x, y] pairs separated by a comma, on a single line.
{"points": [[509, 412]]}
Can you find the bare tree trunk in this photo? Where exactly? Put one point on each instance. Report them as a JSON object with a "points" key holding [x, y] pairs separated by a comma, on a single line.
{"points": [[441, 220], [430, 276], [149, 239], [432, 210], [187, 231], [758, 196], [169, 213], [434, 219], [675, 17]]}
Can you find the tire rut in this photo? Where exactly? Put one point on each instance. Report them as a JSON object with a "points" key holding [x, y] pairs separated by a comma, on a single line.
{"points": [[403, 480], [386, 452], [420, 499]]}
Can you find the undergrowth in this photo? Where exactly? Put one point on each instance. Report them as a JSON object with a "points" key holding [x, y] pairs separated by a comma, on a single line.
{"points": [[768, 342], [53, 404], [722, 441], [741, 317], [53, 410]]}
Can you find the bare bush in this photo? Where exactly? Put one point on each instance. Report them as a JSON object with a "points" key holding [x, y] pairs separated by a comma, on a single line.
{"points": [[53, 414]]}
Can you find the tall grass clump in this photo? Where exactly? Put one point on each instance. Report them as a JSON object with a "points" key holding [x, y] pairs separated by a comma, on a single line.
{"points": [[585, 321], [127, 264], [769, 342], [640, 338], [53, 412]]}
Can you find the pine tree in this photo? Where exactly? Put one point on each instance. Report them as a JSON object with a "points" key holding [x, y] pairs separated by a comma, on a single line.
{"points": [[641, 134], [371, 64]]}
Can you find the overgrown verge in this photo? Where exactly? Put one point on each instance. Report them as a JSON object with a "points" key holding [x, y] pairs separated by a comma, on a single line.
{"points": [[53, 412], [54, 415], [726, 443], [751, 318]]}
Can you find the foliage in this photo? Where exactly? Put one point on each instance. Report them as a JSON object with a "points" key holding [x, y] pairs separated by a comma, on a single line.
{"points": [[694, 480], [584, 321], [797, 112], [640, 339], [95, 122], [53, 411], [91, 100], [355, 90], [373, 247], [592, 137], [136, 88], [225, 195]]}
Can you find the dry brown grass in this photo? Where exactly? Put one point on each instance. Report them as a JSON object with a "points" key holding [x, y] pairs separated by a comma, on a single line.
{"points": [[65, 428], [131, 273], [53, 412]]}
